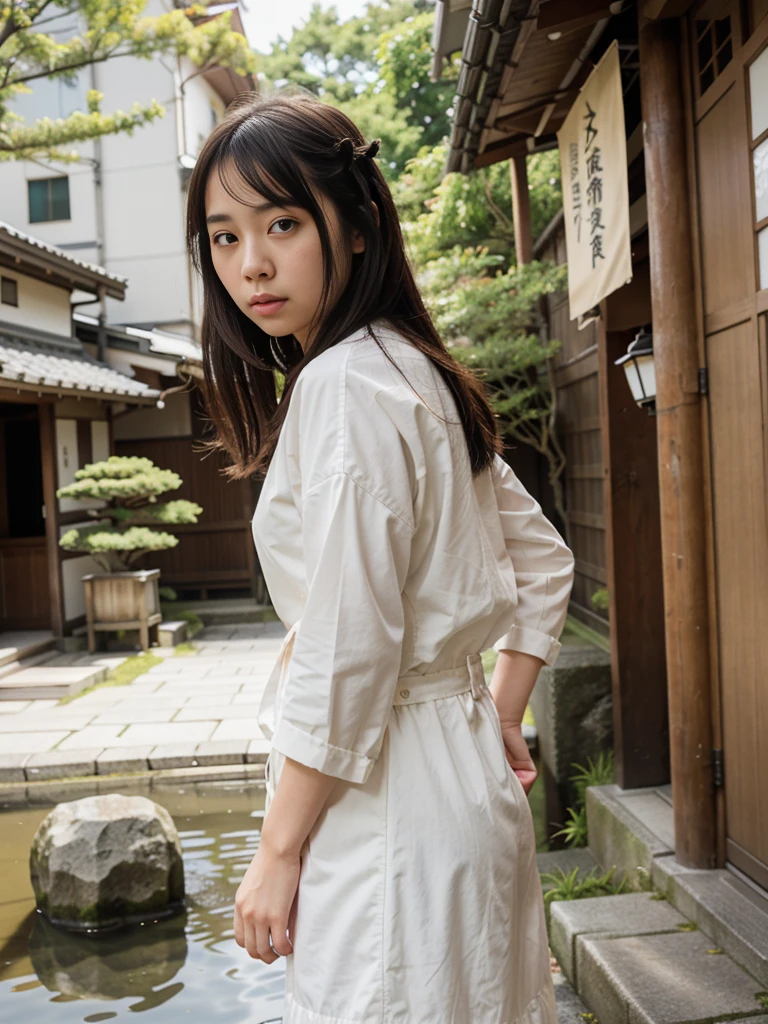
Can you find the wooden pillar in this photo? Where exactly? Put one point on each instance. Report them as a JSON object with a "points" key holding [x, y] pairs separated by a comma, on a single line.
{"points": [[521, 209], [51, 503], [633, 551], [680, 444]]}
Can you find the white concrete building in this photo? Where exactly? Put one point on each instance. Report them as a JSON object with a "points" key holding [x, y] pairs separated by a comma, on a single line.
{"points": [[122, 206]]}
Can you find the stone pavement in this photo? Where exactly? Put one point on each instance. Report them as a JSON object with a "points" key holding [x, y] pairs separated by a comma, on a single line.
{"points": [[188, 711]]}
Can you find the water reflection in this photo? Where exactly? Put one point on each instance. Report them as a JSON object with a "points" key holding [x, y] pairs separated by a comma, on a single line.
{"points": [[175, 970]]}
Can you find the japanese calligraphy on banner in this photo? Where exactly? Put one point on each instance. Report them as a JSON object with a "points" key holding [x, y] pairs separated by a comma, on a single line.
{"points": [[593, 161]]}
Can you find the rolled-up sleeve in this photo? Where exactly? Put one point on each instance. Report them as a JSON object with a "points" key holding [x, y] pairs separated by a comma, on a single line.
{"points": [[543, 566], [343, 670]]}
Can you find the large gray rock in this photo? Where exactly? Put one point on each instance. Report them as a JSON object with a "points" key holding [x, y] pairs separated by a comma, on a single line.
{"points": [[105, 861]]}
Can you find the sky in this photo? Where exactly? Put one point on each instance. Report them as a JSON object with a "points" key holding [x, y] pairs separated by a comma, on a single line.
{"points": [[265, 20]]}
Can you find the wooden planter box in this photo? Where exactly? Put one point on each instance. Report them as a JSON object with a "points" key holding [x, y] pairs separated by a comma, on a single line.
{"points": [[123, 600]]}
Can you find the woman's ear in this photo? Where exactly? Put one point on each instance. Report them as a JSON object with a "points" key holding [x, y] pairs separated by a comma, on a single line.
{"points": [[358, 242]]}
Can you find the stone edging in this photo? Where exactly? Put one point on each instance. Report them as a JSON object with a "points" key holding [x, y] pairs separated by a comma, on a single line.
{"points": [[70, 788], [60, 764]]}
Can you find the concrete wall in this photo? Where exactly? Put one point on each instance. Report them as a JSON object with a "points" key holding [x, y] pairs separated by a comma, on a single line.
{"points": [[142, 194], [41, 306], [147, 421]]}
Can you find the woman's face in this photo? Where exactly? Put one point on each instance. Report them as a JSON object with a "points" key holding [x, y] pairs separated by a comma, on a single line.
{"points": [[262, 251]]}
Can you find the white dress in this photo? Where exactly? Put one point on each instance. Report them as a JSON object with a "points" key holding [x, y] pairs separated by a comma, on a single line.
{"points": [[419, 898]]}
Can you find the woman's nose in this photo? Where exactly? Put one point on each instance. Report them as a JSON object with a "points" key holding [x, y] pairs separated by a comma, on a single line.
{"points": [[256, 263]]}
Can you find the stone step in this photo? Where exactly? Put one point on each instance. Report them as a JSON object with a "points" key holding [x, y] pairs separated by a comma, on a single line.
{"points": [[42, 658], [634, 958], [634, 829], [565, 860], [18, 647], [45, 683]]}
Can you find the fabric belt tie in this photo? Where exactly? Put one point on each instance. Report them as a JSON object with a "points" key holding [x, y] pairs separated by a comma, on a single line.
{"points": [[417, 688], [413, 688]]}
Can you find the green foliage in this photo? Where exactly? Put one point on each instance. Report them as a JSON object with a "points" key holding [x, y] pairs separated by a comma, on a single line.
{"points": [[602, 773], [128, 488], [472, 209], [193, 621], [600, 600], [167, 594], [488, 314], [367, 65], [106, 29], [571, 885]]}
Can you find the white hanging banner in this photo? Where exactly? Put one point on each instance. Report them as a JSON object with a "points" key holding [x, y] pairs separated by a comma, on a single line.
{"points": [[593, 161]]}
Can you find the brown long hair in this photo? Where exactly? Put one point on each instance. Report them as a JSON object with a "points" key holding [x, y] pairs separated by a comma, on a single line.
{"points": [[288, 147]]}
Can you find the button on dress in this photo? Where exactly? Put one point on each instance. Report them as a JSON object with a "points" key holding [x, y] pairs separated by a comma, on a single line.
{"points": [[392, 568]]}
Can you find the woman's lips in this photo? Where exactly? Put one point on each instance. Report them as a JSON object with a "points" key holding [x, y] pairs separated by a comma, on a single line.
{"points": [[266, 308]]}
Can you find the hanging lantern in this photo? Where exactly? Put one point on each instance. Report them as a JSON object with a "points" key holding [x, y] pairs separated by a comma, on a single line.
{"points": [[638, 367]]}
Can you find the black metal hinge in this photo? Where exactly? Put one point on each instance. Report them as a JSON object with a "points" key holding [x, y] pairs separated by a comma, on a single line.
{"points": [[717, 767], [703, 380]]}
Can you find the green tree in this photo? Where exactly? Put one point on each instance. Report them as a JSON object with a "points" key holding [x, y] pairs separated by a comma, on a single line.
{"points": [[360, 64], [489, 318], [106, 29], [472, 209], [129, 488]]}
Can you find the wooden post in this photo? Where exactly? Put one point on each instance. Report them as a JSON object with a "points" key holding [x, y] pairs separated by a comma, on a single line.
{"points": [[680, 444], [521, 209], [51, 505], [633, 551]]}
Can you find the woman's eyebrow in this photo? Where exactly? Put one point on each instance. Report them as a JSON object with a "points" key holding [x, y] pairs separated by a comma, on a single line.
{"points": [[221, 218]]}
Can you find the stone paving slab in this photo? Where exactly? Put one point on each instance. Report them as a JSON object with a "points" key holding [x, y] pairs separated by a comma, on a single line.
{"points": [[223, 712], [129, 716], [610, 916], [61, 764], [169, 732], [100, 736], [120, 760], [237, 729], [174, 755], [10, 707], [204, 703], [12, 767], [220, 752], [662, 979], [31, 742]]}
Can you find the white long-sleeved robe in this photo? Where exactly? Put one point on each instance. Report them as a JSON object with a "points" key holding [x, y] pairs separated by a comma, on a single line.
{"points": [[419, 898]]}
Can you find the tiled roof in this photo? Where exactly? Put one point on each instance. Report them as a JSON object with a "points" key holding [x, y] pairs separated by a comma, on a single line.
{"points": [[13, 232], [62, 364]]}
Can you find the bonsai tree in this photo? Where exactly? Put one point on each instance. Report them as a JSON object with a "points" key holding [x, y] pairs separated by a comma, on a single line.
{"points": [[127, 521]]}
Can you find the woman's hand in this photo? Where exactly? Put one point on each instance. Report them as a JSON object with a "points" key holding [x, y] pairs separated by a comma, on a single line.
{"points": [[266, 902], [518, 755]]}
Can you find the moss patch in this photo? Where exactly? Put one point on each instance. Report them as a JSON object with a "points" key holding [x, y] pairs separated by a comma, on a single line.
{"points": [[125, 673]]}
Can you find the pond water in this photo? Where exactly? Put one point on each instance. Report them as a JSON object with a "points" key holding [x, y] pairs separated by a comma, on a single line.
{"points": [[178, 970]]}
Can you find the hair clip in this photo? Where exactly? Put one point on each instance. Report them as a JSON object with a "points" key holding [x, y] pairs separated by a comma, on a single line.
{"points": [[352, 154]]}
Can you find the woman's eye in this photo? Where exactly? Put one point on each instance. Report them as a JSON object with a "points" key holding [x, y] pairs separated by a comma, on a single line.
{"points": [[225, 238], [284, 220]]}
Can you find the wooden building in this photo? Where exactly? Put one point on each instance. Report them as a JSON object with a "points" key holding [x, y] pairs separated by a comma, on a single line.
{"points": [[668, 512], [215, 556], [55, 416]]}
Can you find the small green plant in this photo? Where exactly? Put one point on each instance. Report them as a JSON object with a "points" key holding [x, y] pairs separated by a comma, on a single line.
{"points": [[762, 998], [128, 489], [688, 926], [569, 885], [193, 621], [167, 594], [599, 773], [600, 600]]}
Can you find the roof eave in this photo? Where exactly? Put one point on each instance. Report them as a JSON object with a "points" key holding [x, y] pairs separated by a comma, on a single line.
{"points": [[24, 253]]}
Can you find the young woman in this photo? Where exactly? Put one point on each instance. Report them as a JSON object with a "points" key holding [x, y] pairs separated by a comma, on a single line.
{"points": [[397, 869]]}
